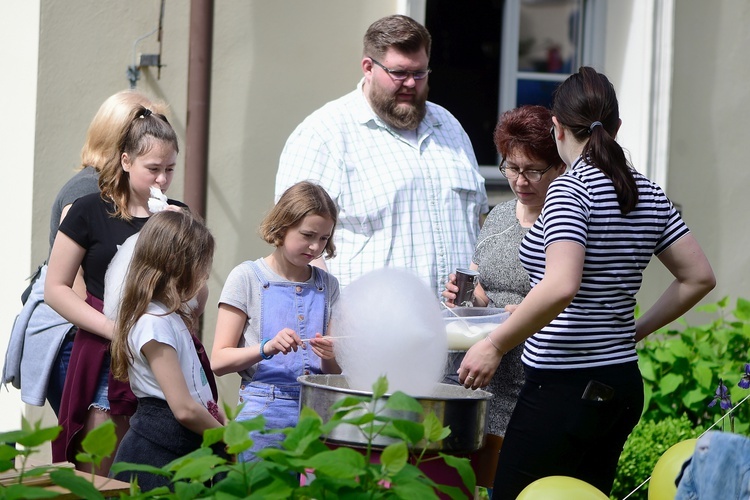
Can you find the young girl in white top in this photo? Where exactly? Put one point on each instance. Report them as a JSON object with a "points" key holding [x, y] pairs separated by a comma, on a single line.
{"points": [[153, 346], [275, 304]]}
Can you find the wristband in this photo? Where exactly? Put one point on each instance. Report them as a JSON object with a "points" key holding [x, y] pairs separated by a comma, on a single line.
{"points": [[262, 352]]}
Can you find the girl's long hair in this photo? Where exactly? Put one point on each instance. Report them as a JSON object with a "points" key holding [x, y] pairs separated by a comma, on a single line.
{"points": [[579, 102], [170, 264]]}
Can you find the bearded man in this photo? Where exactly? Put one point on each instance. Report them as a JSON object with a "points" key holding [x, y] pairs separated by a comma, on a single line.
{"points": [[400, 169]]}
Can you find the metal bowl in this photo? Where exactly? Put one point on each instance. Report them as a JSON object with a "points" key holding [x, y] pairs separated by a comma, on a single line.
{"points": [[463, 410]]}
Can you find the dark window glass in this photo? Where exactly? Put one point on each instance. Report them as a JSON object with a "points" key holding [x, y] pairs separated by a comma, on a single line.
{"points": [[465, 64]]}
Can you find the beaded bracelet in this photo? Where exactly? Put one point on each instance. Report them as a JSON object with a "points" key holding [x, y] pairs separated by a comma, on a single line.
{"points": [[262, 352]]}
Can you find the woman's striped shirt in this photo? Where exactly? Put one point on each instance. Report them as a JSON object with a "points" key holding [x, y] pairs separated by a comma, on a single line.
{"points": [[598, 326]]}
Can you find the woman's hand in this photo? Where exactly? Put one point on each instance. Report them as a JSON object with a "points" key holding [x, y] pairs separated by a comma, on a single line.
{"points": [[479, 365], [284, 342], [451, 291]]}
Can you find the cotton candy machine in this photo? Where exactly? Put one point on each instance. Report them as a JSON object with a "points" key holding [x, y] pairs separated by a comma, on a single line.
{"points": [[463, 410]]}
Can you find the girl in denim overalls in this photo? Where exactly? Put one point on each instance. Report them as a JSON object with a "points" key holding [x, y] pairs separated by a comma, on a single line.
{"points": [[274, 312]]}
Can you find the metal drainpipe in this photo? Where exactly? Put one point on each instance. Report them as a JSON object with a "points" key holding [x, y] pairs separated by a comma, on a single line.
{"points": [[198, 104], [198, 110]]}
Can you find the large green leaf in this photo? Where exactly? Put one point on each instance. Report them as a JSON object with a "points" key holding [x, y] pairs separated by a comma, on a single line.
{"points": [[132, 467], [704, 376], [349, 402], [464, 468], [198, 469], [99, 442], [8, 453], [670, 382], [303, 434], [340, 463], [394, 457], [433, 429], [380, 387], [212, 436], [695, 397], [413, 490], [647, 368], [403, 402], [23, 492], [75, 484], [237, 438], [409, 430]]}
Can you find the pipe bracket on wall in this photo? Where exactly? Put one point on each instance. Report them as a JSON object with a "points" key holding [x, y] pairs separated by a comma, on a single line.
{"points": [[146, 60]]}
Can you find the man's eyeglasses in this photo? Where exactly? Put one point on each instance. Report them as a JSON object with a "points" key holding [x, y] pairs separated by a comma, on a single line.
{"points": [[512, 173], [401, 75]]}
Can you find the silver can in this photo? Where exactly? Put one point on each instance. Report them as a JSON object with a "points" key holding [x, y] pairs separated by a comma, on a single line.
{"points": [[466, 281]]}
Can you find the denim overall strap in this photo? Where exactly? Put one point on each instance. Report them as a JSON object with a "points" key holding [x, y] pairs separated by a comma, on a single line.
{"points": [[299, 306]]}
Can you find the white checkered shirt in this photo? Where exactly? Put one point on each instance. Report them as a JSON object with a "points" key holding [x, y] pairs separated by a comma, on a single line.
{"points": [[404, 205]]}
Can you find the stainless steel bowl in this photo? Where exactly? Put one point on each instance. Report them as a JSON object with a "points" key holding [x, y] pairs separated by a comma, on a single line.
{"points": [[463, 410]]}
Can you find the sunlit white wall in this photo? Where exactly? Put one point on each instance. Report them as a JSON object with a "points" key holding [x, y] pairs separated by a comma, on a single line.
{"points": [[19, 34]]}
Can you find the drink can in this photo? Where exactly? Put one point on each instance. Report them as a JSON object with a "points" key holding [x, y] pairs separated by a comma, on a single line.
{"points": [[466, 280]]}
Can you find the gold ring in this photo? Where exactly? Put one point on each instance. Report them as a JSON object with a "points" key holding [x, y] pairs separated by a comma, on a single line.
{"points": [[471, 377]]}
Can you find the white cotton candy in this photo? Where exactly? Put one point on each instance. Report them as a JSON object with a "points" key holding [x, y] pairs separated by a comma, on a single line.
{"points": [[158, 200], [390, 324], [115, 277]]}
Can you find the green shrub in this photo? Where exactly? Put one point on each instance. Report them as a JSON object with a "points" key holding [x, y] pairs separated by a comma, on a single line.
{"points": [[339, 473], [642, 450], [681, 369]]}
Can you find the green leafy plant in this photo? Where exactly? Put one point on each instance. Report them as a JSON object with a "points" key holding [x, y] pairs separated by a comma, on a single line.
{"points": [[330, 473], [646, 444], [681, 368], [97, 445]]}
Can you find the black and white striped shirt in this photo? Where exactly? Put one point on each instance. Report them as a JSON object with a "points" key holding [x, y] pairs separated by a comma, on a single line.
{"points": [[598, 326]]}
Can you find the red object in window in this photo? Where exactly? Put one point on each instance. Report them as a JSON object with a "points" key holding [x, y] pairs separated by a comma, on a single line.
{"points": [[554, 59]]}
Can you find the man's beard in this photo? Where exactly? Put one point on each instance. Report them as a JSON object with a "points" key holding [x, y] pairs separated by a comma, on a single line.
{"points": [[405, 116]]}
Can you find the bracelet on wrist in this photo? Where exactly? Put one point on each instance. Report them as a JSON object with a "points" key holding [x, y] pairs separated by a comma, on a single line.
{"points": [[488, 339], [262, 350]]}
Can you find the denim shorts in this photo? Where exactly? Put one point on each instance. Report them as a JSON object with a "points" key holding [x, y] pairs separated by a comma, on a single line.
{"points": [[101, 401]]}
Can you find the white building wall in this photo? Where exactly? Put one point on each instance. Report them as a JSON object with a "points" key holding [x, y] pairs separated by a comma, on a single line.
{"points": [[19, 35]]}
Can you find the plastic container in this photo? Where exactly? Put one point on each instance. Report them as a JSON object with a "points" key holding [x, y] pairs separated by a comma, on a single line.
{"points": [[465, 326]]}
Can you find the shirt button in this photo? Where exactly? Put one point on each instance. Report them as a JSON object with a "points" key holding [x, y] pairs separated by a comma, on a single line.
{"points": [[307, 372], [301, 317], [299, 289]]}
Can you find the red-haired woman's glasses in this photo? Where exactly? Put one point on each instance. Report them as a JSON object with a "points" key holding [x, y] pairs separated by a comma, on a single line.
{"points": [[531, 175]]}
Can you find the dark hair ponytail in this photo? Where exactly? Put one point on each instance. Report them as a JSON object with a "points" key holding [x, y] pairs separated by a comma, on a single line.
{"points": [[586, 104]]}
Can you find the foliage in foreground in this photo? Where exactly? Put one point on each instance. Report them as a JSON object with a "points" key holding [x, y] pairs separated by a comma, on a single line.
{"points": [[682, 369], [341, 472]]}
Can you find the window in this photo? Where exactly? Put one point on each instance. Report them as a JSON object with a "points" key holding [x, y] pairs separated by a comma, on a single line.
{"points": [[489, 56]]}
